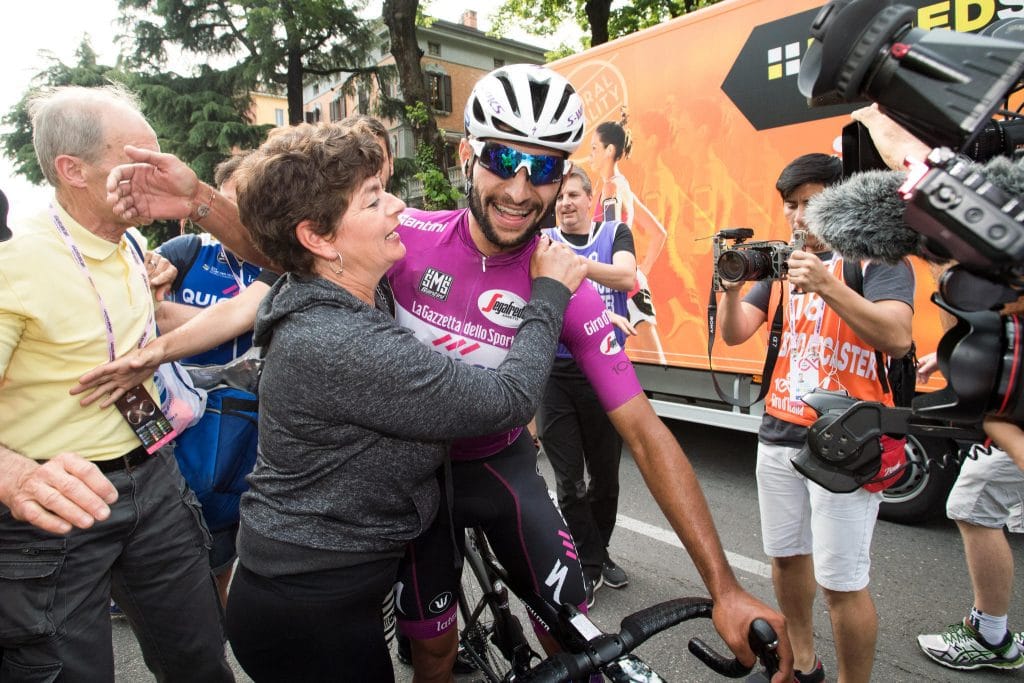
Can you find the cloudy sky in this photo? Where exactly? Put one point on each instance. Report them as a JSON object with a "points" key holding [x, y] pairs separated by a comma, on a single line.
{"points": [[36, 29]]}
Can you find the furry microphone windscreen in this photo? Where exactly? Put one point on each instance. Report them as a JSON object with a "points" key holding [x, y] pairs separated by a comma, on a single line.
{"points": [[862, 218]]}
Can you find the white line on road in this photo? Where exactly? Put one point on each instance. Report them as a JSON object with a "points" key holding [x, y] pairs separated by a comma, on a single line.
{"points": [[665, 536]]}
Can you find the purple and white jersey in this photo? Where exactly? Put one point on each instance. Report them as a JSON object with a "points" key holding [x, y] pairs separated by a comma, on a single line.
{"points": [[468, 306]]}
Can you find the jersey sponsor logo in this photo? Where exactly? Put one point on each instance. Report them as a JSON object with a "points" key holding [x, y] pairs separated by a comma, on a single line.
{"points": [[440, 603], [592, 327], [453, 344], [419, 224], [610, 345], [557, 579], [501, 307], [436, 284], [622, 366], [194, 298]]}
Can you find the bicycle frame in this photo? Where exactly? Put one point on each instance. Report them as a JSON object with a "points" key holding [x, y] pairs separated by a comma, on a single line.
{"points": [[503, 636]]}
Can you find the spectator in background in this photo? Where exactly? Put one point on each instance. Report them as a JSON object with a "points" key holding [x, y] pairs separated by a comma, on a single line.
{"points": [[81, 498], [579, 439]]}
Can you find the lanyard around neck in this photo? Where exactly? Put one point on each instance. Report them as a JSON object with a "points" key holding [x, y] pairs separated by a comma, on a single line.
{"points": [[79, 260]]}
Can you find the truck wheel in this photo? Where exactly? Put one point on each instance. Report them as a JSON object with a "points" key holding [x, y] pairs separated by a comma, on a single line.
{"points": [[920, 494]]}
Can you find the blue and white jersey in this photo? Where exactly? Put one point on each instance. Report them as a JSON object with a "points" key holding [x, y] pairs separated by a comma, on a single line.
{"points": [[207, 273]]}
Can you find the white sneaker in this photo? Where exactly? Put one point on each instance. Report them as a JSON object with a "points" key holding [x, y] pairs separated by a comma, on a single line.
{"points": [[960, 647]]}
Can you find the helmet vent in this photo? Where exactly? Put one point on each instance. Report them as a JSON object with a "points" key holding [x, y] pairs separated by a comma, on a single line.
{"points": [[562, 104], [539, 96], [510, 94]]}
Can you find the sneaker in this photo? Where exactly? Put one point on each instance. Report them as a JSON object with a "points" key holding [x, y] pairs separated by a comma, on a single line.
{"points": [[960, 647], [592, 580], [613, 575], [815, 675], [115, 611]]}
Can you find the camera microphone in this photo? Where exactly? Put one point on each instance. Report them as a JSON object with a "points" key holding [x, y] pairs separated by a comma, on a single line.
{"points": [[863, 217]]}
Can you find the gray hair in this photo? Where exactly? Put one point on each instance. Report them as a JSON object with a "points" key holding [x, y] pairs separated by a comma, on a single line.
{"points": [[69, 120], [584, 179]]}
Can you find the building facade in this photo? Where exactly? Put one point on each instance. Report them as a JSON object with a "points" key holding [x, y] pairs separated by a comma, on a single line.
{"points": [[455, 56]]}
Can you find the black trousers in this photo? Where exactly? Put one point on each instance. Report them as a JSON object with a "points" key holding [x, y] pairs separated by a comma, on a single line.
{"points": [[579, 440], [321, 626]]}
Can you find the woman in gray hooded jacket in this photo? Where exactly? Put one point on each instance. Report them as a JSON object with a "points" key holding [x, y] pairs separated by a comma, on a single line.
{"points": [[354, 410]]}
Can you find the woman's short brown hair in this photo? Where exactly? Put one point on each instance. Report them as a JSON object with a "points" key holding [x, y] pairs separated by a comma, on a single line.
{"points": [[308, 173]]}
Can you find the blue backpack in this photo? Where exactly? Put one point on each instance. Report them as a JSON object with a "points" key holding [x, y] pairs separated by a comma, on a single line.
{"points": [[217, 453]]}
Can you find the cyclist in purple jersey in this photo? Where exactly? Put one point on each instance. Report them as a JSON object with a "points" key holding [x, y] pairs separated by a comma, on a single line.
{"points": [[461, 289]]}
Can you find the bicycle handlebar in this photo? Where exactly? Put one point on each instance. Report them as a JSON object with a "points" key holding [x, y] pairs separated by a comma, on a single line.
{"points": [[638, 627]]}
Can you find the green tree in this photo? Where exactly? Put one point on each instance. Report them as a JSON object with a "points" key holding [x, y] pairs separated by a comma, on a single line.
{"points": [[279, 43], [545, 17], [195, 118], [402, 18]]}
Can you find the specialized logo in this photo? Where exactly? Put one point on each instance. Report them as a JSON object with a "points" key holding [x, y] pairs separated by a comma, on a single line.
{"points": [[440, 603], [557, 579], [501, 307], [610, 345], [436, 284]]}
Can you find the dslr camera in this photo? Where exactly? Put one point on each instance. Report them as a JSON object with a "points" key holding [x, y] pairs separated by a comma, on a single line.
{"points": [[943, 87], [737, 260]]}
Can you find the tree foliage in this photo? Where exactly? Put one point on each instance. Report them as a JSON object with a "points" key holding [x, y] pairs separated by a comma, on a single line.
{"points": [[546, 17], [402, 18], [200, 119], [278, 43]]}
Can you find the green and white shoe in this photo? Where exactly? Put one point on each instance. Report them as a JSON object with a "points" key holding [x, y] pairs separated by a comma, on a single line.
{"points": [[960, 647]]}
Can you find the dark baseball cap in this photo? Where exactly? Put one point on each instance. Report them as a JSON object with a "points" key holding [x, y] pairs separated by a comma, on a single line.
{"points": [[5, 232]]}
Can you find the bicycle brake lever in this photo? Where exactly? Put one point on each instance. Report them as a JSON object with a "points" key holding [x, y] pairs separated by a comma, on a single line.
{"points": [[765, 643]]}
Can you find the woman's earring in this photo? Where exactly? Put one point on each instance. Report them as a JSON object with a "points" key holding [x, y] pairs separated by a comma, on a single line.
{"points": [[341, 265]]}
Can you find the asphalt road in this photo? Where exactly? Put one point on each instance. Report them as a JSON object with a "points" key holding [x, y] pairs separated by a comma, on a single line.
{"points": [[919, 578]]}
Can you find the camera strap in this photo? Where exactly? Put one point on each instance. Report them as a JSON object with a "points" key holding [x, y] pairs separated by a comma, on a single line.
{"points": [[774, 342]]}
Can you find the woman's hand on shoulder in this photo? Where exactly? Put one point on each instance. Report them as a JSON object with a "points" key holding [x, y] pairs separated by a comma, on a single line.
{"points": [[558, 262]]}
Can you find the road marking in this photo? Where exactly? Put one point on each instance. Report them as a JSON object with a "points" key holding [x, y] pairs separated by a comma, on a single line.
{"points": [[741, 562]]}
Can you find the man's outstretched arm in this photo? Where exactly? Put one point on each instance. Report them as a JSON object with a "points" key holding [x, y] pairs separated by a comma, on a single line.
{"points": [[162, 187], [673, 483]]}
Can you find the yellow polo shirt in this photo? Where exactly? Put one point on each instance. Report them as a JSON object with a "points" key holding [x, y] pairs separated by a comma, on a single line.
{"points": [[52, 332]]}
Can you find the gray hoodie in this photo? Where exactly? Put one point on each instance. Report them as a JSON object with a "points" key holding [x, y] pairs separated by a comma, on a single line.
{"points": [[354, 415]]}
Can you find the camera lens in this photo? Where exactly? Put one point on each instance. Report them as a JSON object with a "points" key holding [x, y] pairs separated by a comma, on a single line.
{"points": [[739, 265]]}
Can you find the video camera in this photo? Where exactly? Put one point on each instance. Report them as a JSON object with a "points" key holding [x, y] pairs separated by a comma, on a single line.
{"points": [[944, 88], [743, 261]]}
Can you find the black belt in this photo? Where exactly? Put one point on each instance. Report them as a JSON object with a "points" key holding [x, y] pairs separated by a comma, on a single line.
{"points": [[128, 461]]}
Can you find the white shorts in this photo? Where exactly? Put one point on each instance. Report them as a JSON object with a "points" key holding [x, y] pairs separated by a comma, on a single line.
{"points": [[798, 517], [989, 492]]}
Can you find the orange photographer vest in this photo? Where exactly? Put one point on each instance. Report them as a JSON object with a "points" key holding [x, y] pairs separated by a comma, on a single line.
{"points": [[839, 360]]}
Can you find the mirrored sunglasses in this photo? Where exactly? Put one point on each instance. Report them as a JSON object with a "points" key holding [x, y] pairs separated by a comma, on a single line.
{"points": [[505, 162]]}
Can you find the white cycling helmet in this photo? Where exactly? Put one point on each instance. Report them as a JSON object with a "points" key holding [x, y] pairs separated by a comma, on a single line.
{"points": [[526, 103]]}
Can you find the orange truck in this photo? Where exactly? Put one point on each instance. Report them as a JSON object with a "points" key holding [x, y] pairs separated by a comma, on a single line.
{"points": [[714, 114]]}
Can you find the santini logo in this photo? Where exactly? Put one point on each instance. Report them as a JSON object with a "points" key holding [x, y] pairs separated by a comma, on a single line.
{"points": [[436, 284], [441, 603], [501, 307]]}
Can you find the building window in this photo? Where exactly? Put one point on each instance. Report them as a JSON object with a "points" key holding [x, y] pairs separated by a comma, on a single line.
{"points": [[279, 117], [440, 92], [364, 100], [313, 116], [338, 108], [316, 88], [434, 49], [498, 63]]}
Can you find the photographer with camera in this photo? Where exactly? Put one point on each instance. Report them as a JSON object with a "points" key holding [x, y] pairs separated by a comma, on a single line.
{"points": [[985, 498], [816, 537]]}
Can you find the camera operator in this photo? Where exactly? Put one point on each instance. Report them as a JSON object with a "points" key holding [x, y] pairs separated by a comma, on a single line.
{"points": [[816, 537], [985, 498]]}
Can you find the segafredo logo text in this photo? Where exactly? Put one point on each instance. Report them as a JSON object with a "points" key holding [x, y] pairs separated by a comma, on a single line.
{"points": [[501, 307]]}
